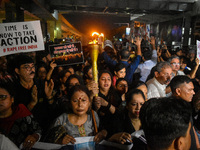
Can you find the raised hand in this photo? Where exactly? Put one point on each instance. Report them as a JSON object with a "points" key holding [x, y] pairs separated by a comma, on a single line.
{"points": [[53, 64], [49, 88], [197, 61], [153, 42], [137, 41]]}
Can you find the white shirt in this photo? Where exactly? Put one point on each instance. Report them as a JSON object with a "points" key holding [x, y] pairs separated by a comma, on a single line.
{"points": [[155, 89], [7, 144], [145, 68], [178, 73]]}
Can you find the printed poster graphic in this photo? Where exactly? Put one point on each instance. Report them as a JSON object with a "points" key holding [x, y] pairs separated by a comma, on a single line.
{"points": [[19, 37], [67, 54], [198, 50]]}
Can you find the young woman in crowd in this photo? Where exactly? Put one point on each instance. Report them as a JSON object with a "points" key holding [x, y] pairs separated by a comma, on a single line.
{"points": [[17, 122], [62, 78], [119, 71], [127, 122], [143, 87], [73, 80], [41, 72], [80, 121], [107, 101], [87, 74], [122, 89]]}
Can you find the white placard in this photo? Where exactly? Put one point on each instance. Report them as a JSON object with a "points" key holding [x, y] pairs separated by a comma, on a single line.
{"points": [[19, 37], [198, 50]]}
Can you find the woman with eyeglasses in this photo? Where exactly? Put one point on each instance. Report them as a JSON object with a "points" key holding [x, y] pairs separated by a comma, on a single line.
{"points": [[122, 89], [17, 122]]}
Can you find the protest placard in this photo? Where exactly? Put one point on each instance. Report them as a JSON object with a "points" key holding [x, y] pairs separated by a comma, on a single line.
{"points": [[198, 50], [18, 37], [67, 54]]}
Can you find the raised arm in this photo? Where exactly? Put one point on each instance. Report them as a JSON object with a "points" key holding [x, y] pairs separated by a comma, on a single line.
{"points": [[137, 42]]}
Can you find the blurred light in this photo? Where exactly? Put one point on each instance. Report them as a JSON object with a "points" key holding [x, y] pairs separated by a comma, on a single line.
{"points": [[57, 28], [95, 33], [101, 35], [128, 31]]}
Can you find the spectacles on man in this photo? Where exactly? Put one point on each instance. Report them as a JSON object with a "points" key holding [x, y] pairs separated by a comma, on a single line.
{"points": [[29, 68], [3, 97], [178, 64]]}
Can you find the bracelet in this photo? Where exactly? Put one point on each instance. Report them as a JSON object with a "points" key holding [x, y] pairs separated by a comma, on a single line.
{"points": [[108, 106]]}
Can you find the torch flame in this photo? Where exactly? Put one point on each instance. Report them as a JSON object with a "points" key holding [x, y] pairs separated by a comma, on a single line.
{"points": [[95, 33], [93, 42], [101, 35]]}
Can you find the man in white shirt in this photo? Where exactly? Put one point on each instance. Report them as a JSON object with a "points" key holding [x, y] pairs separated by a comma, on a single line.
{"points": [[157, 85]]}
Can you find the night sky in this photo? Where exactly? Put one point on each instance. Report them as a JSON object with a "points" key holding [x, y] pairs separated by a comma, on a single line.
{"points": [[87, 23]]}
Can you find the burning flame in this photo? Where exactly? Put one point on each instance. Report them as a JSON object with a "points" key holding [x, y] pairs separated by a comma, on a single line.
{"points": [[93, 42], [95, 33], [101, 35], [96, 36]]}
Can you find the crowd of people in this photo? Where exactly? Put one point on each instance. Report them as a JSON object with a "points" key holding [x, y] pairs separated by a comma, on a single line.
{"points": [[154, 91]]}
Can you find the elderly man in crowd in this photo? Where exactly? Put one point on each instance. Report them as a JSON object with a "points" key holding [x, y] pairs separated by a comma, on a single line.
{"points": [[162, 76]]}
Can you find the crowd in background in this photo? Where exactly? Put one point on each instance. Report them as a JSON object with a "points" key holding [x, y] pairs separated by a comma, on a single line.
{"points": [[141, 85]]}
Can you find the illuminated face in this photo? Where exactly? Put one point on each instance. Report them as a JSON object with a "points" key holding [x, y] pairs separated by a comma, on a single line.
{"points": [[105, 82], [183, 65], [26, 71], [73, 82], [64, 79], [121, 73], [122, 87], [186, 91], [134, 105], [175, 64], [179, 53], [42, 73], [164, 76], [80, 103], [144, 89], [71, 70], [90, 76], [5, 102]]}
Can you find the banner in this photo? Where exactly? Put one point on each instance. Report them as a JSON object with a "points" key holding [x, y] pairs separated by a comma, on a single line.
{"points": [[19, 37], [67, 54], [198, 50]]}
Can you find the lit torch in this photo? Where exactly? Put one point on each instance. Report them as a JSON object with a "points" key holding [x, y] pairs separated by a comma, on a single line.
{"points": [[94, 55]]}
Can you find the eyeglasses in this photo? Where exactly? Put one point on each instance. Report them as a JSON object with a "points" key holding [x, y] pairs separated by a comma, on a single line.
{"points": [[29, 68], [3, 97], [178, 64], [122, 85]]}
